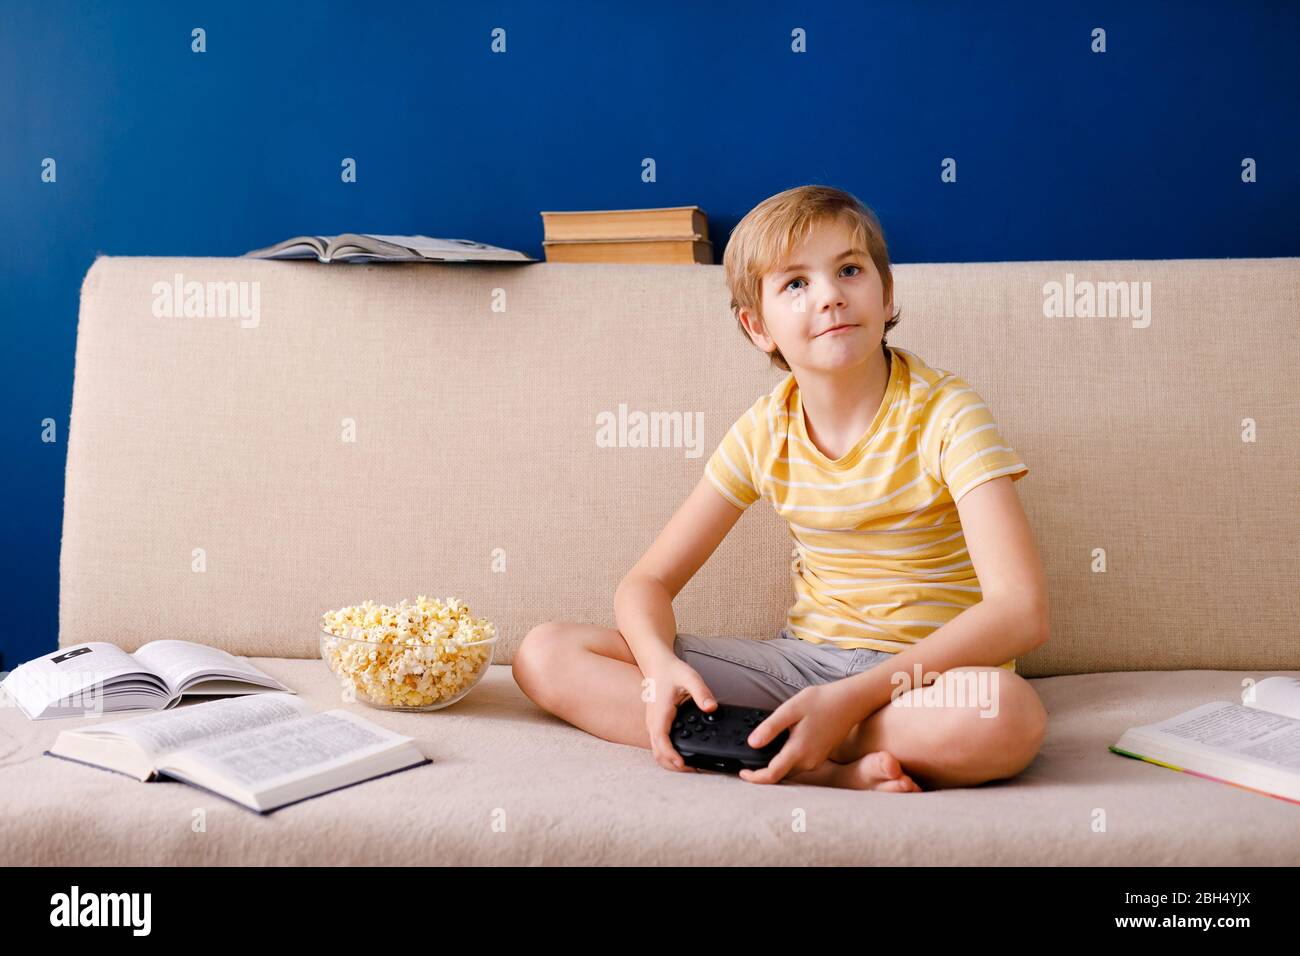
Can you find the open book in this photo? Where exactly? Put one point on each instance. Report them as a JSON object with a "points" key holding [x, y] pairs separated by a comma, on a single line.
{"points": [[97, 677], [262, 752], [362, 247], [1256, 746]]}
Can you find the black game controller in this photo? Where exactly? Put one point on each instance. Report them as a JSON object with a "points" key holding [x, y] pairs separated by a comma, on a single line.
{"points": [[716, 740]]}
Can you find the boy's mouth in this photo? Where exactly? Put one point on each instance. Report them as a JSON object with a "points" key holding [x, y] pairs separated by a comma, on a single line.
{"points": [[843, 326]]}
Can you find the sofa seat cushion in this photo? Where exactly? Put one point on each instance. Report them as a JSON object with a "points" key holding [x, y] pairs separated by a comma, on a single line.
{"points": [[510, 783]]}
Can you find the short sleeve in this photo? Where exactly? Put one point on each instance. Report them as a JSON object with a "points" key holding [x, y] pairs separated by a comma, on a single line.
{"points": [[731, 468], [961, 445]]}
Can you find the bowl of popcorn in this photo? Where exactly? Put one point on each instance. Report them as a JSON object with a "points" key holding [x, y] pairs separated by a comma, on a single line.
{"points": [[421, 656]]}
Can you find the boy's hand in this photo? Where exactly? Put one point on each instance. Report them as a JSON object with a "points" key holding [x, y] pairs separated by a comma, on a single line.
{"points": [[819, 718], [674, 682]]}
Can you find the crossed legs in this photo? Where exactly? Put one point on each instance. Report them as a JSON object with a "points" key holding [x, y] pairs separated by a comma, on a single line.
{"points": [[586, 675]]}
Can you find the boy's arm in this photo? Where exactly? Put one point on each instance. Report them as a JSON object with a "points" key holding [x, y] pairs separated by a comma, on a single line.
{"points": [[643, 602], [1010, 620]]}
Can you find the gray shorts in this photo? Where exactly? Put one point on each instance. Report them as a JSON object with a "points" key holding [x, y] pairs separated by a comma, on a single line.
{"points": [[764, 673]]}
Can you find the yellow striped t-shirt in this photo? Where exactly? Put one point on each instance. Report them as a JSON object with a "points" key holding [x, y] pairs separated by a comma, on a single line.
{"points": [[879, 559]]}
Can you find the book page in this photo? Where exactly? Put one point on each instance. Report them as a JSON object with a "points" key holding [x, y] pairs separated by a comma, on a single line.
{"points": [[298, 250], [299, 247], [69, 671], [265, 756], [451, 249], [427, 244], [158, 734], [181, 661], [1256, 735], [351, 244], [1281, 695]]}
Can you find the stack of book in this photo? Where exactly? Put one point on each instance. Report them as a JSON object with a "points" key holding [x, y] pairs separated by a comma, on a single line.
{"points": [[679, 234]]}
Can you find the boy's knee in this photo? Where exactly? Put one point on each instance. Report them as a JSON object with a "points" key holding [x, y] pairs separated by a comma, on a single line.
{"points": [[534, 655], [990, 730], [1021, 726]]}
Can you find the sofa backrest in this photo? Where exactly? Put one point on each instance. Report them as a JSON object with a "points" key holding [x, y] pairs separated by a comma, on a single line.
{"points": [[385, 431]]}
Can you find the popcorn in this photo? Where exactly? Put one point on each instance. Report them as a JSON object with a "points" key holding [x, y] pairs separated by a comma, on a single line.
{"points": [[420, 654]]}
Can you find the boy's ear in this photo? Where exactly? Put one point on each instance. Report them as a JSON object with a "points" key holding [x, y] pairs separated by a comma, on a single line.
{"points": [[754, 326], [746, 319]]}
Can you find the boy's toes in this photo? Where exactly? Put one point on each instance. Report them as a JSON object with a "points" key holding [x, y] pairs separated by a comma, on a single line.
{"points": [[882, 765], [882, 771]]}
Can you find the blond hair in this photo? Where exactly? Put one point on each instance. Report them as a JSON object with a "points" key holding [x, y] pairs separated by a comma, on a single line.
{"points": [[769, 231]]}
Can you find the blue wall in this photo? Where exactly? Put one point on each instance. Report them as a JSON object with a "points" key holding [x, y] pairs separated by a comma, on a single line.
{"points": [[1062, 153]]}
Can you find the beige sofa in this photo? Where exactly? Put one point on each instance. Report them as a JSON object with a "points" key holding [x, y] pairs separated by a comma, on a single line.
{"points": [[476, 472]]}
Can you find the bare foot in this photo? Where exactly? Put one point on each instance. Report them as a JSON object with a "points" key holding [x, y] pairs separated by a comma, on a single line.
{"points": [[875, 771]]}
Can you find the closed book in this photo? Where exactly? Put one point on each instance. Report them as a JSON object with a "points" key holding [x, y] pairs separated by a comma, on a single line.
{"points": [[673, 222], [650, 251]]}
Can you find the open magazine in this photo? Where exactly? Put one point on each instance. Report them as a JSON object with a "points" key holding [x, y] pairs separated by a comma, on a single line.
{"points": [[262, 752], [1255, 746], [364, 247], [97, 677]]}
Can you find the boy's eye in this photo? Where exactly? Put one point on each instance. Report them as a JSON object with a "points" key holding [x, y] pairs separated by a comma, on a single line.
{"points": [[793, 281]]}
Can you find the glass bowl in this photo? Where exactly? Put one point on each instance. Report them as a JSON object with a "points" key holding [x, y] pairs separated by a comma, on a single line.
{"points": [[409, 677]]}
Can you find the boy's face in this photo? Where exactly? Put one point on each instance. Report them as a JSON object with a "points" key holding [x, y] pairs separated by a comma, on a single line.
{"points": [[802, 305]]}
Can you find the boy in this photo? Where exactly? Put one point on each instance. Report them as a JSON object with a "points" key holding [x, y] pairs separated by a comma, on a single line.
{"points": [[897, 488]]}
